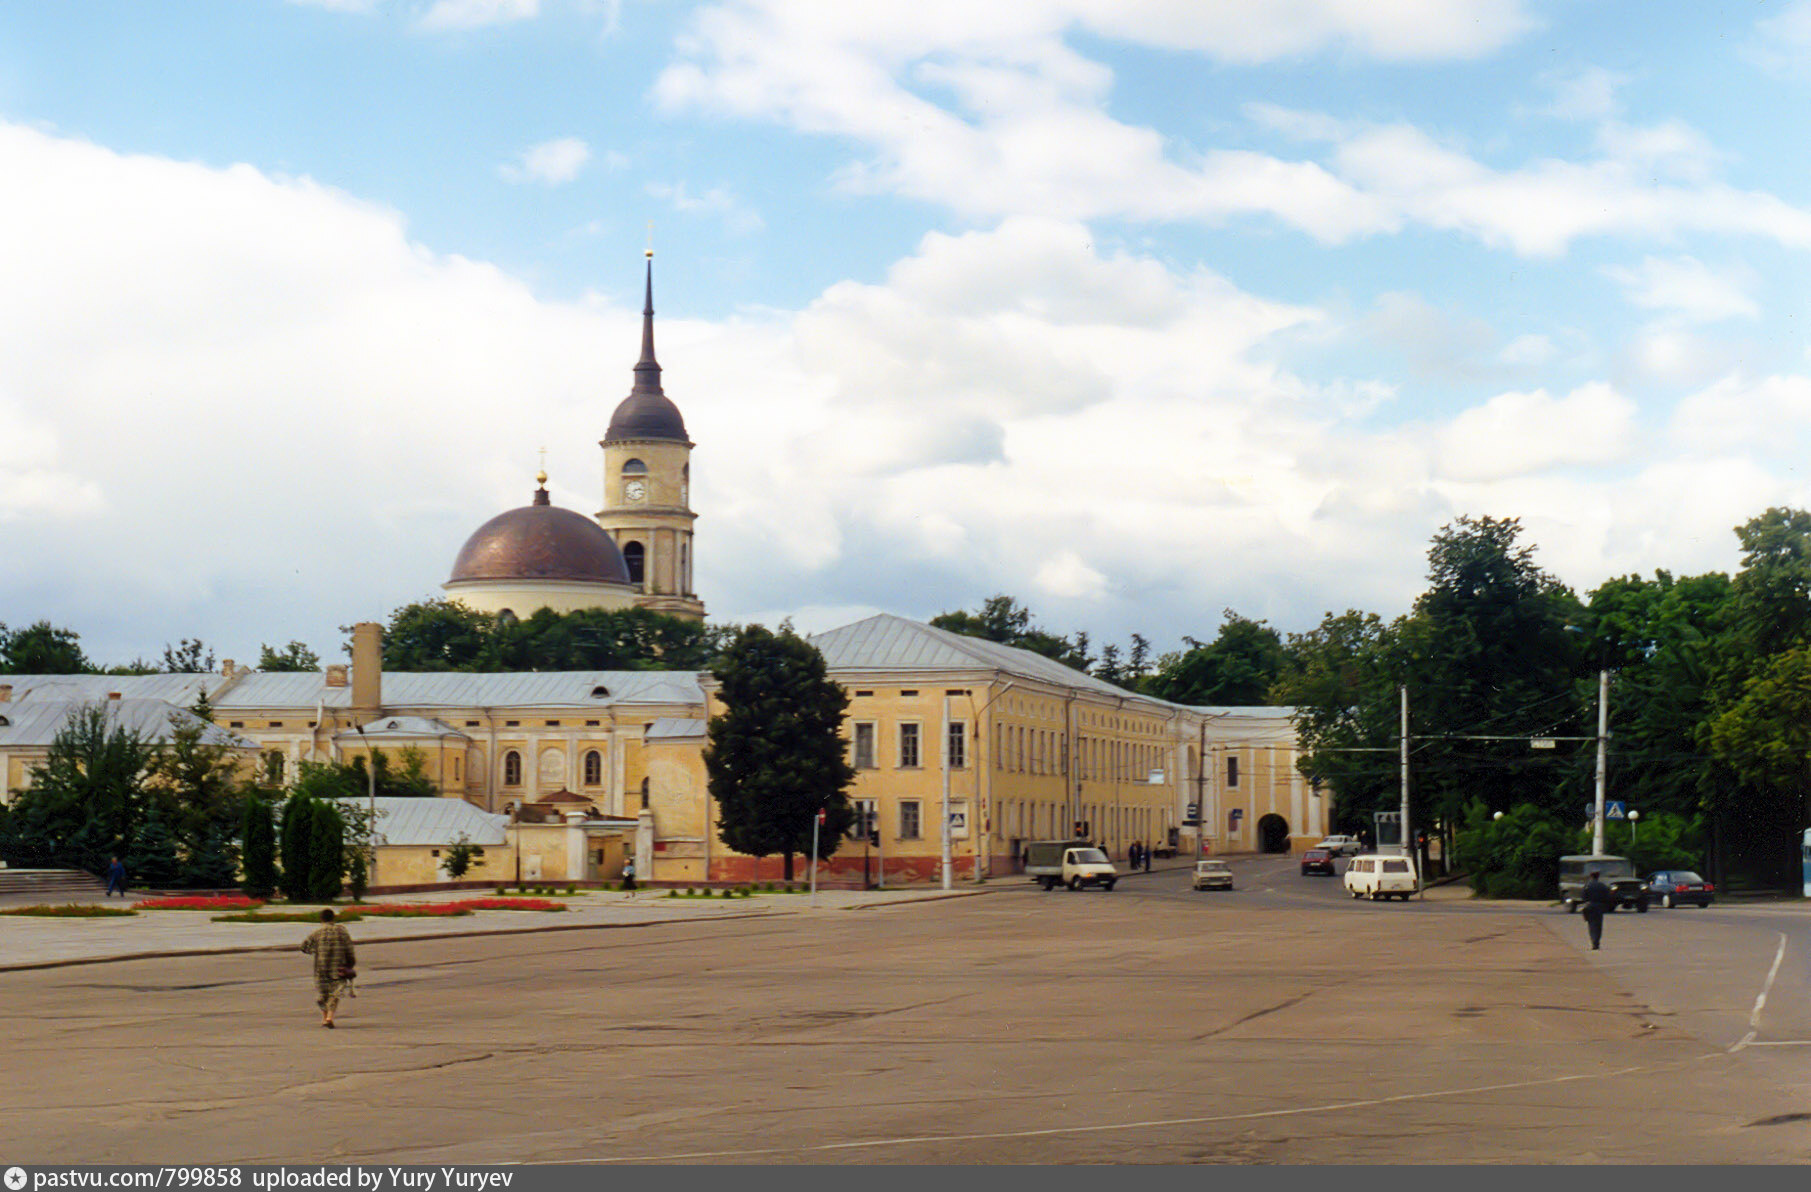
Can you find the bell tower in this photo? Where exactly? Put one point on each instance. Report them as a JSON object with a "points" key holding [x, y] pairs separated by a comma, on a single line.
{"points": [[647, 485]]}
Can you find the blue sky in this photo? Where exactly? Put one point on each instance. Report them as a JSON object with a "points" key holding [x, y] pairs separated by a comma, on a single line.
{"points": [[1135, 310]]}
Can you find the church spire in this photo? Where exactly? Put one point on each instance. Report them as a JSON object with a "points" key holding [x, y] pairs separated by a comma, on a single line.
{"points": [[647, 369]]}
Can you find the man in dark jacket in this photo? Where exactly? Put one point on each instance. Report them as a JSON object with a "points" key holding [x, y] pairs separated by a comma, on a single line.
{"points": [[1598, 900]]}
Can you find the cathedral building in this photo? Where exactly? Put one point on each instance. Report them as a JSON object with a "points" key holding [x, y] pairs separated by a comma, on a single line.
{"points": [[635, 553]]}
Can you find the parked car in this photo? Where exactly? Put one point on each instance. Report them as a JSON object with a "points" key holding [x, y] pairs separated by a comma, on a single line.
{"points": [[1213, 875], [1674, 886], [1618, 874], [1377, 877], [1317, 860], [1342, 846]]}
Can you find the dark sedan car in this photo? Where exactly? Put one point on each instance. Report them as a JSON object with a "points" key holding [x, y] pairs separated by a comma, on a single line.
{"points": [[1317, 860], [1674, 886]]}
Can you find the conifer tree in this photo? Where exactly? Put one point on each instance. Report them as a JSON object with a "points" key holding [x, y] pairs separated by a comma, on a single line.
{"points": [[298, 853], [776, 755], [326, 843], [152, 860], [260, 848]]}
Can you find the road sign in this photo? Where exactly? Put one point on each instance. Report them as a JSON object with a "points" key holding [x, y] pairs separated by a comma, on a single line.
{"points": [[1617, 809]]}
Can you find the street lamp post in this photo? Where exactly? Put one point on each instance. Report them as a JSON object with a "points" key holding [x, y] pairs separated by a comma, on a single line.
{"points": [[1634, 818]]}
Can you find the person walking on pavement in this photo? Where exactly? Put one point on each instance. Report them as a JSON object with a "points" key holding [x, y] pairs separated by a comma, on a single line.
{"points": [[116, 877], [629, 876], [1597, 900], [1144, 854], [335, 964]]}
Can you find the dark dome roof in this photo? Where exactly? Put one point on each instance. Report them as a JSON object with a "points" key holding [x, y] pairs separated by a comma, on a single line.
{"points": [[645, 415], [541, 541]]}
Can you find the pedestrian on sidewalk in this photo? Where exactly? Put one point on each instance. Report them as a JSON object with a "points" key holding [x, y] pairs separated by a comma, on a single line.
{"points": [[629, 877], [1144, 854], [335, 964], [1597, 900], [116, 877]]}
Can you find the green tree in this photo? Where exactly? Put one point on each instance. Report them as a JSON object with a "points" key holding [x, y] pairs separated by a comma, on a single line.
{"points": [[1339, 677], [152, 859], [1764, 735], [459, 856], [437, 635], [296, 656], [201, 780], [189, 656], [1773, 589], [1003, 619], [260, 847], [327, 852], [1237, 669], [87, 799], [211, 863], [776, 755], [297, 875], [42, 649]]}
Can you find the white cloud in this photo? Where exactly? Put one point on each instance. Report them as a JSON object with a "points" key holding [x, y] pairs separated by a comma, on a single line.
{"points": [[549, 163], [1527, 350], [1770, 415], [988, 110], [1783, 41], [1518, 434], [476, 14], [1687, 287], [717, 202], [1588, 94]]}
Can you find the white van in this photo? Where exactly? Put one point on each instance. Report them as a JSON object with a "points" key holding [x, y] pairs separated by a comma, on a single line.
{"points": [[1377, 877]]}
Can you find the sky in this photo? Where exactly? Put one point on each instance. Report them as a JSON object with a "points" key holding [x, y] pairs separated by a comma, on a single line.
{"points": [[1136, 310]]}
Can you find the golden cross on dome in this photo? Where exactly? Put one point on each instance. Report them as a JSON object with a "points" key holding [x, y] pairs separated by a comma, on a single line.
{"points": [[541, 476]]}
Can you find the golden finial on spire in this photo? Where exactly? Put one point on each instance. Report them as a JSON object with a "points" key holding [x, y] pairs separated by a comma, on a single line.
{"points": [[541, 476], [649, 251]]}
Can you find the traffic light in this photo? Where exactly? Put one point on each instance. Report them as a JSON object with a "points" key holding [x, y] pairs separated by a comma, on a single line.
{"points": [[872, 824], [1081, 829]]}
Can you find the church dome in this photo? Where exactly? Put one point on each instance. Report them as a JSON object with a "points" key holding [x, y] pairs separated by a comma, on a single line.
{"points": [[541, 541]]}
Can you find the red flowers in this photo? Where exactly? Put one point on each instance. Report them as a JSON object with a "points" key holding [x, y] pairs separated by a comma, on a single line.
{"points": [[511, 904]]}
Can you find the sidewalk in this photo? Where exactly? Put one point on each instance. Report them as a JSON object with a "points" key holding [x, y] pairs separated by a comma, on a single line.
{"points": [[33, 943]]}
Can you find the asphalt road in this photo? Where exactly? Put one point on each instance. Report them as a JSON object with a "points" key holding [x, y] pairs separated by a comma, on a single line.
{"points": [[1278, 1023]]}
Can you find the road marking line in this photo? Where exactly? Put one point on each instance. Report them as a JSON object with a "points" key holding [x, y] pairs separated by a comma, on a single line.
{"points": [[1334, 1107], [1760, 1001]]}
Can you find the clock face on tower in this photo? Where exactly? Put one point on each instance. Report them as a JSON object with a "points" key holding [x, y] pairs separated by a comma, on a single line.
{"points": [[635, 490]]}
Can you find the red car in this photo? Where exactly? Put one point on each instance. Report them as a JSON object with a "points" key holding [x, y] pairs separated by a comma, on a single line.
{"points": [[1317, 860]]}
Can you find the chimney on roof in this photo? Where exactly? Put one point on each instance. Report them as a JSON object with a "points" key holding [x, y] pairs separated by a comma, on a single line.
{"points": [[6, 693], [367, 666], [226, 668], [113, 695], [336, 675]]}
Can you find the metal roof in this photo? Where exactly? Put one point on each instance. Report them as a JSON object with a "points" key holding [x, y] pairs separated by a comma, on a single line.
{"points": [[178, 689], [673, 728], [37, 722], [437, 822], [392, 727], [889, 643], [459, 689]]}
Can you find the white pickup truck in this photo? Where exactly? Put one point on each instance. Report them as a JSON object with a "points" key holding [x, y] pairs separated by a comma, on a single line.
{"points": [[1072, 863]]}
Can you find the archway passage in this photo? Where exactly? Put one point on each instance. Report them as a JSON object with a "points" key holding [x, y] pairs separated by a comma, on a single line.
{"points": [[1273, 834]]}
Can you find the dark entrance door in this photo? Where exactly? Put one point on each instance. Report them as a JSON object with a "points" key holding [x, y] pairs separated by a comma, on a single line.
{"points": [[1273, 834]]}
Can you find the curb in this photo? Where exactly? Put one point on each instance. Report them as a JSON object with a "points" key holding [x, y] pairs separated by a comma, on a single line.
{"points": [[250, 949]]}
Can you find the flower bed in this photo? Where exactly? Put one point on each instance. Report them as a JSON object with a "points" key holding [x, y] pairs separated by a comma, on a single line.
{"points": [[207, 902], [72, 910]]}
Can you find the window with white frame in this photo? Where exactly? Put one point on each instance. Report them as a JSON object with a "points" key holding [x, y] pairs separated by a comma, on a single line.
{"points": [[910, 738], [910, 819], [864, 746], [958, 745], [512, 769], [594, 768]]}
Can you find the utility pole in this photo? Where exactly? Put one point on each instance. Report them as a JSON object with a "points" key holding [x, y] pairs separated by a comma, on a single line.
{"points": [[1407, 851], [947, 864], [1603, 738]]}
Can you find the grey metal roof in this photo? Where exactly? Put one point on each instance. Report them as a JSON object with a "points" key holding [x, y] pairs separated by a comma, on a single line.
{"points": [[178, 689], [392, 727], [456, 689], [35, 723], [889, 643], [673, 728], [436, 822]]}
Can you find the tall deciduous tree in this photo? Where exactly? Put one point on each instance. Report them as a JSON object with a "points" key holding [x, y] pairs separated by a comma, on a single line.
{"points": [[1238, 668], [42, 649], [296, 656], [88, 798], [1003, 619], [776, 755]]}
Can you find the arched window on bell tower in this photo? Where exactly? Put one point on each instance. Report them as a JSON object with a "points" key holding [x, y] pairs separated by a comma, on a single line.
{"points": [[634, 555]]}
